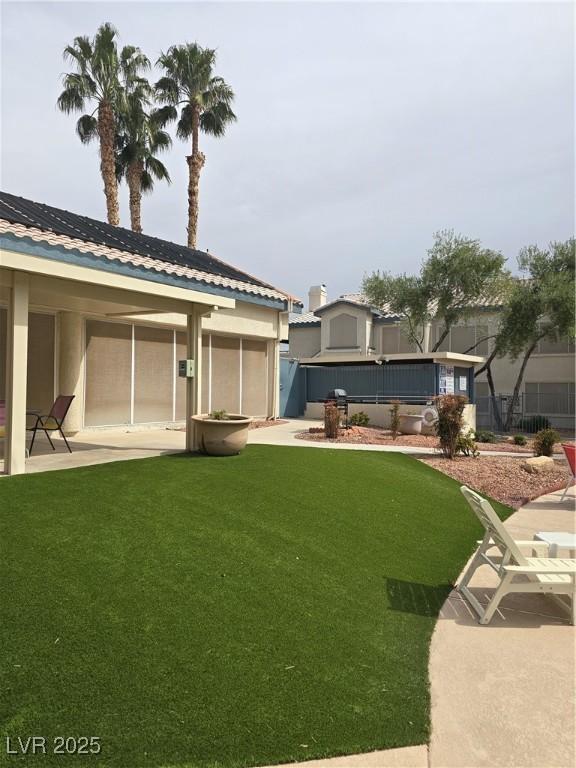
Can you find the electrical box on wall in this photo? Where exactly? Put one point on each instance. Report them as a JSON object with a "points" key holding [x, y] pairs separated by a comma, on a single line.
{"points": [[186, 369]]}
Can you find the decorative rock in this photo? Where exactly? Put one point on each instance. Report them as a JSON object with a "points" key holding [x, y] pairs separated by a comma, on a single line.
{"points": [[538, 464]]}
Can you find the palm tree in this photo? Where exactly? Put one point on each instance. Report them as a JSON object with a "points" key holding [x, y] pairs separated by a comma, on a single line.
{"points": [[205, 102], [100, 73], [140, 136]]}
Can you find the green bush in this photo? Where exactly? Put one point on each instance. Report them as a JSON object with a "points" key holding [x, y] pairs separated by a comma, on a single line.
{"points": [[465, 444], [219, 415], [484, 436], [544, 442], [534, 423], [519, 440], [359, 419]]}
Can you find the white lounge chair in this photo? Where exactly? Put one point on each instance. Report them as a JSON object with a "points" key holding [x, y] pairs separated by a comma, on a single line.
{"points": [[517, 573]]}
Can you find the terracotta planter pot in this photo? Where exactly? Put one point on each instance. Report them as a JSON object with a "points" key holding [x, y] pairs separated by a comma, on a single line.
{"points": [[222, 437], [411, 425]]}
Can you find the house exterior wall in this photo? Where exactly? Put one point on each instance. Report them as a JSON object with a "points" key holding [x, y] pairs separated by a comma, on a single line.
{"points": [[333, 339], [304, 341], [549, 379], [123, 371]]}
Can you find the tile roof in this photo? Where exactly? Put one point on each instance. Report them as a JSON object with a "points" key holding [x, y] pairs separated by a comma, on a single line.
{"points": [[306, 318], [44, 224]]}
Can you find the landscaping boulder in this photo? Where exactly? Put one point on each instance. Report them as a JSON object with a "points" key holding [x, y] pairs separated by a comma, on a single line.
{"points": [[538, 464]]}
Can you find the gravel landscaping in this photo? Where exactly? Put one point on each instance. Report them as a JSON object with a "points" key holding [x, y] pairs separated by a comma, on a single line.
{"points": [[502, 477], [379, 436]]}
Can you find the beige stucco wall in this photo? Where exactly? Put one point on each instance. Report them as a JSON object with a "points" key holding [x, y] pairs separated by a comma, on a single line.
{"points": [[304, 342], [380, 414], [364, 327]]}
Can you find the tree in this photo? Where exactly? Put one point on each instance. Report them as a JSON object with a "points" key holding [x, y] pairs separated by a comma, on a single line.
{"points": [[98, 80], [456, 273], [205, 102], [540, 306], [140, 137]]}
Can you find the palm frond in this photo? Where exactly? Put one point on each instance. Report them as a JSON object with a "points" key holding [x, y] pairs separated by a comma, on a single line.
{"points": [[87, 128], [160, 141], [184, 126], [167, 91], [214, 120], [161, 116], [157, 169], [146, 183]]}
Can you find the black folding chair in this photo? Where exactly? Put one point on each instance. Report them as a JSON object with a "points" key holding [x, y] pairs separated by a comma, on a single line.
{"points": [[52, 422]]}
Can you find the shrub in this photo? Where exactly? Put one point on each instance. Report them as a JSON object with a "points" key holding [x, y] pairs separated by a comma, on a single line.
{"points": [[519, 440], [544, 442], [395, 418], [534, 423], [465, 444], [449, 423], [359, 419], [484, 436], [331, 420], [219, 416]]}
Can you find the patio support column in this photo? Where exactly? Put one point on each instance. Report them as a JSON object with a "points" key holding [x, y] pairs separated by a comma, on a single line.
{"points": [[194, 383], [71, 368], [16, 374]]}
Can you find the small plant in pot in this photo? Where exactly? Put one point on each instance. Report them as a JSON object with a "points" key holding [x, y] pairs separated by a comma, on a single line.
{"points": [[220, 433]]}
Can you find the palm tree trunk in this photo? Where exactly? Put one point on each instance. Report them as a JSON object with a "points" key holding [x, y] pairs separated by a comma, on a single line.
{"points": [[134, 178], [106, 132], [195, 164]]}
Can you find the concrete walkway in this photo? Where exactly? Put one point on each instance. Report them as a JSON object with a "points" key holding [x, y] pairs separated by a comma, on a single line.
{"points": [[503, 695]]}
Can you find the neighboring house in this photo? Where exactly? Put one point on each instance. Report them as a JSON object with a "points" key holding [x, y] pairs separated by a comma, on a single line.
{"points": [[348, 330], [105, 314]]}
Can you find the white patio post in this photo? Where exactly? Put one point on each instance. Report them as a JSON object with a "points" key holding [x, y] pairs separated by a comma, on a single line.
{"points": [[16, 371], [194, 383]]}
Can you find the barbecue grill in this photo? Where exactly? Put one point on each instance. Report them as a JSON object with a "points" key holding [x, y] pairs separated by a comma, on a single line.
{"points": [[340, 397]]}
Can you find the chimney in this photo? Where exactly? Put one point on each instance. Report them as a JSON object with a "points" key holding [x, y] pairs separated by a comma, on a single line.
{"points": [[316, 297]]}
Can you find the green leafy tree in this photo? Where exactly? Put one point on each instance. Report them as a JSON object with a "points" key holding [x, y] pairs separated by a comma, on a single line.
{"points": [[140, 137], [100, 71], [456, 273], [540, 306], [205, 103]]}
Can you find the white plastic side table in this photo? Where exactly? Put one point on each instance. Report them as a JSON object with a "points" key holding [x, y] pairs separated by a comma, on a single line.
{"points": [[556, 541]]}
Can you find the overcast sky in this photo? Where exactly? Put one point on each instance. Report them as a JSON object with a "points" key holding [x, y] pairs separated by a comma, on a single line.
{"points": [[362, 128]]}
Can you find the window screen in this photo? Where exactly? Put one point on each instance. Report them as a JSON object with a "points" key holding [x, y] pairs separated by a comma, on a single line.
{"points": [[254, 379], [40, 374], [40, 382], [108, 373], [153, 374], [225, 374]]}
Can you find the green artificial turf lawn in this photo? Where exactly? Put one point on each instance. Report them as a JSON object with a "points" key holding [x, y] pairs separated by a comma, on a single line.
{"points": [[195, 611]]}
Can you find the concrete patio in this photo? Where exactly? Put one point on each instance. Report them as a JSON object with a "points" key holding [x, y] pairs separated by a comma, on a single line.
{"points": [[102, 447]]}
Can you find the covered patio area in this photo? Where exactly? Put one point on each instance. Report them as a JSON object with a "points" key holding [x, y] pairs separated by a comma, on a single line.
{"points": [[130, 332], [31, 286]]}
